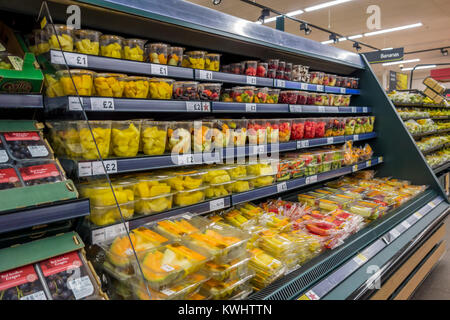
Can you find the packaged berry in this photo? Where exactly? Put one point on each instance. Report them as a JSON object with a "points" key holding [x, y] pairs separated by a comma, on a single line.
{"points": [[250, 68], [271, 73], [68, 277], [298, 129], [9, 177], [288, 96], [310, 128], [40, 172], [273, 64], [302, 97], [27, 146], [320, 128], [311, 99], [236, 68], [288, 67], [279, 75], [287, 75], [21, 284], [281, 66], [261, 70]]}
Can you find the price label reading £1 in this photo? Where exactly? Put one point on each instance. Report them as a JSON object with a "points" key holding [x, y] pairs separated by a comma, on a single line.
{"points": [[251, 80], [159, 69], [282, 187], [206, 75]]}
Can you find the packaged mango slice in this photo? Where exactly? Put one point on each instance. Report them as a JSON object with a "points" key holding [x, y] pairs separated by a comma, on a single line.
{"points": [[60, 37], [266, 268], [242, 184], [185, 180], [135, 87], [179, 227], [87, 41], [190, 197], [53, 86], [111, 46], [83, 80], [154, 137], [212, 61], [100, 193], [154, 204], [125, 136], [233, 270], [220, 290], [196, 59], [133, 49], [41, 41], [101, 132], [161, 88], [105, 215], [109, 84], [237, 219]]}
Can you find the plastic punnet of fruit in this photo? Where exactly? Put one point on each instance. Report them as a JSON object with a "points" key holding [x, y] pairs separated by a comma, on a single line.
{"points": [[60, 35], [53, 86], [41, 41], [185, 90], [155, 204], [320, 128], [236, 129], [135, 87], [109, 84], [233, 270], [133, 49], [175, 56], [161, 88], [179, 136], [125, 136], [284, 130], [250, 67], [257, 131], [209, 91], [196, 59], [101, 132], [156, 52], [111, 46], [87, 41], [202, 133], [272, 95], [310, 128], [83, 80], [266, 268], [231, 289], [260, 95], [261, 70], [221, 134], [298, 129], [177, 228], [226, 95], [350, 124], [186, 180], [243, 94], [154, 137], [212, 61], [236, 68]]}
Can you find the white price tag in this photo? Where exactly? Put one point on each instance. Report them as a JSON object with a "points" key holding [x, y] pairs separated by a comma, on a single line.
{"points": [[186, 216], [360, 259], [185, 159], [274, 261], [81, 287], [280, 83], [380, 159], [353, 109], [282, 187], [368, 163], [312, 295], [76, 59], [342, 90], [295, 108], [303, 86], [251, 80], [355, 168], [197, 106], [56, 57], [320, 87], [259, 149], [37, 151], [355, 137], [3, 156], [74, 104], [206, 75], [394, 233], [311, 179], [302, 144], [365, 109], [167, 292], [40, 295], [159, 69], [406, 224], [321, 109], [167, 268], [418, 215], [431, 204], [106, 104], [109, 233], [84, 169], [110, 166], [250, 107], [330, 140], [216, 204]]}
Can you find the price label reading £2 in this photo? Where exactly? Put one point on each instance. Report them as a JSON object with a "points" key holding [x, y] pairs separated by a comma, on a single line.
{"points": [[102, 104]]}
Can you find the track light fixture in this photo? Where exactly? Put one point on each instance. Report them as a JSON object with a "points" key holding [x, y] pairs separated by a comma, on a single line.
{"points": [[356, 46], [306, 28], [264, 13], [216, 2], [444, 52], [333, 37]]}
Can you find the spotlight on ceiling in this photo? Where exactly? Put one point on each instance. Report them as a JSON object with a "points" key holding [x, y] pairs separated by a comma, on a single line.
{"points": [[216, 2], [264, 13], [444, 52], [306, 28], [357, 46], [333, 37]]}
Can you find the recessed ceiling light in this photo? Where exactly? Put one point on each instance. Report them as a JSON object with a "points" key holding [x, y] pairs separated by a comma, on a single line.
{"points": [[325, 5], [409, 26], [421, 67], [400, 62]]}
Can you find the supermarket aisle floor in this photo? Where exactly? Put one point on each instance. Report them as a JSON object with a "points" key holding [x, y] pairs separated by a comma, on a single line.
{"points": [[437, 285]]}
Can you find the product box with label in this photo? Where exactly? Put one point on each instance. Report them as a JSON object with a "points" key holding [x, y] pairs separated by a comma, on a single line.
{"points": [[433, 84], [24, 74], [433, 95]]}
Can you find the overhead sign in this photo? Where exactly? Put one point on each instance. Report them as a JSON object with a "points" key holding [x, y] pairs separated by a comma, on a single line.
{"points": [[382, 56]]}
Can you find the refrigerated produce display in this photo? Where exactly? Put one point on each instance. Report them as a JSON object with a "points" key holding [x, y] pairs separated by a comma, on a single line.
{"points": [[225, 168]]}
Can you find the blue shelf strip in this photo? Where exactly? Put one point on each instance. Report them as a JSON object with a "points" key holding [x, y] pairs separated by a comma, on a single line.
{"points": [[334, 279], [21, 101], [293, 184], [123, 165], [27, 218], [249, 107]]}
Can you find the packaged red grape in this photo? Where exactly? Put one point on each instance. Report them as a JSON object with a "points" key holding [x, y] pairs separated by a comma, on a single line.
{"points": [[9, 178], [21, 284], [4, 157], [27, 146], [40, 172], [68, 277]]}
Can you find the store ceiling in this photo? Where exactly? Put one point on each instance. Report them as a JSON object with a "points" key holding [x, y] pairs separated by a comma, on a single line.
{"points": [[350, 19]]}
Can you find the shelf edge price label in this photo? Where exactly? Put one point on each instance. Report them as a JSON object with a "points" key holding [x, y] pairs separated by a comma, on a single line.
{"points": [[368, 163], [185, 159], [380, 159], [303, 86], [353, 109], [158, 69], [311, 179], [84, 169], [280, 83], [319, 87], [406, 224], [418, 215], [355, 168], [259, 149], [431, 204], [110, 166], [216, 204], [312, 295], [394, 233], [76, 59], [109, 233], [302, 144], [282, 187], [250, 107], [198, 106], [74, 103], [321, 109], [360, 259], [365, 109], [342, 90], [295, 108], [102, 104], [355, 137], [206, 75], [251, 80], [330, 140]]}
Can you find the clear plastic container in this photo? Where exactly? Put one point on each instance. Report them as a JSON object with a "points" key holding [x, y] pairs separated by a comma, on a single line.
{"points": [[345, 102], [311, 99], [135, 87], [170, 263], [273, 64], [154, 137], [175, 56], [41, 41], [313, 168], [236, 68], [332, 80], [25, 146], [310, 128], [242, 184], [284, 128], [368, 209], [185, 90], [237, 219], [177, 228], [326, 79], [226, 95], [355, 83], [83, 79], [266, 268], [320, 127], [311, 198], [212, 61], [87, 41], [271, 73], [157, 52], [215, 175], [66, 139], [243, 94], [221, 134], [209, 91], [196, 59], [160, 88], [179, 136], [250, 67], [154, 204], [101, 130], [190, 197], [350, 124], [261, 69], [260, 95], [347, 82], [316, 77], [288, 96], [133, 49], [100, 193], [237, 130], [279, 75], [108, 84], [105, 215], [272, 95], [8, 177], [281, 65], [152, 185], [219, 290], [298, 129], [340, 81], [219, 190], [262, 181], [223, 243], [337, 100], [186, 180], [202, 136], [287, 75], [125, 136], [53, 87], [111, 46], [63, 36], [257, 131], [233, 270]]}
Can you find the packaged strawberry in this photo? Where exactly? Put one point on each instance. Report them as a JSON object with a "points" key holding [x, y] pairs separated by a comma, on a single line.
{"points": [[298, 129], [310, 128]]}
